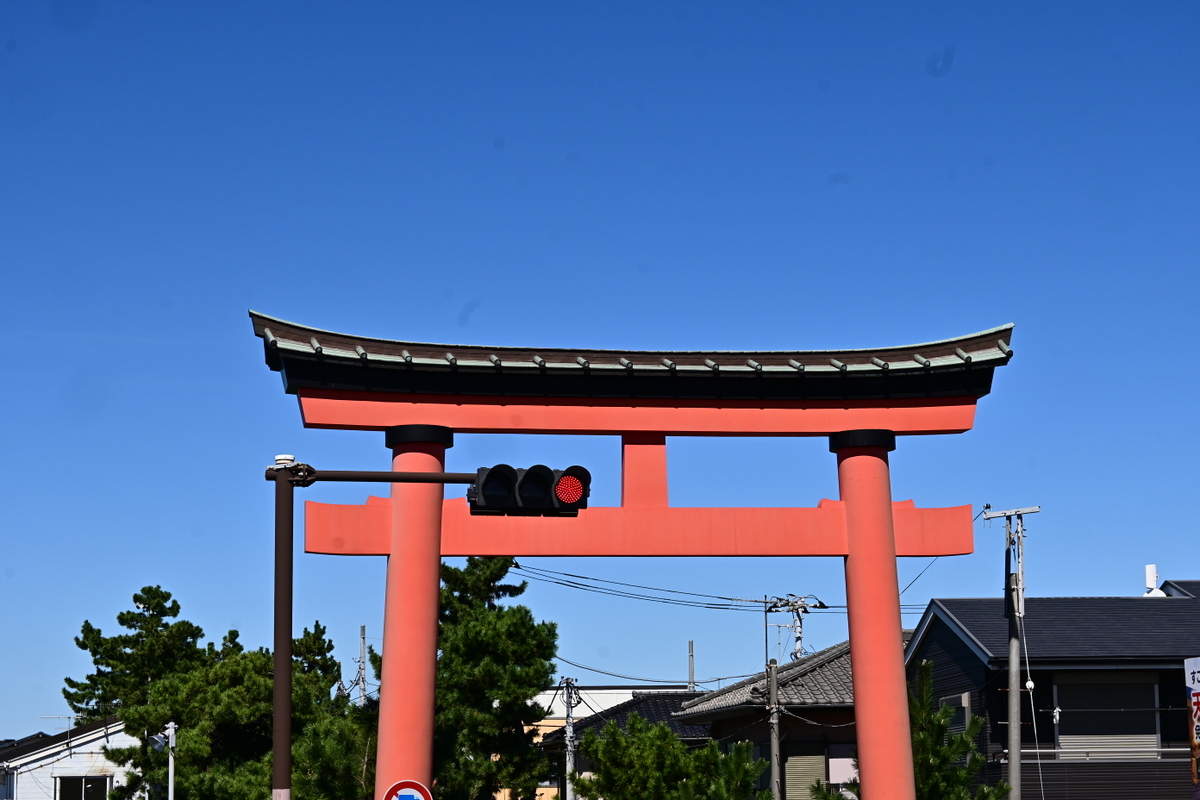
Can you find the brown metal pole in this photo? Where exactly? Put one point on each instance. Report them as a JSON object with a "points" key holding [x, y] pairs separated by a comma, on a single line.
{"points": [[281, 734]]}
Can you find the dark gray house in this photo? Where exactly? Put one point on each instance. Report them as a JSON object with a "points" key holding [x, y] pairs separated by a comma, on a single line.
{"points": [[1107, 716]]}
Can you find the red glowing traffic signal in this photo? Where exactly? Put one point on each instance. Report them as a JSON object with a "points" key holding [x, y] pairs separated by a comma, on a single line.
{"points": [[536, 491]]}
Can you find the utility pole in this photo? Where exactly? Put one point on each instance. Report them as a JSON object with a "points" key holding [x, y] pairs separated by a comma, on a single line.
{"points": [[570, 699], [1014, 609], [691, 665], [773, 708]]}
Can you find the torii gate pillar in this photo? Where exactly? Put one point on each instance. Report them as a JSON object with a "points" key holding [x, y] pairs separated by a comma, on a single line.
{"points": [[873, 604], [410, 622]]}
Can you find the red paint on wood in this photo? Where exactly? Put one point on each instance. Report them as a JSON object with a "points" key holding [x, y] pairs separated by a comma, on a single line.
{"points": [[643, 469], [640, 531], [885, 765], [406, 685], [377, 411]]}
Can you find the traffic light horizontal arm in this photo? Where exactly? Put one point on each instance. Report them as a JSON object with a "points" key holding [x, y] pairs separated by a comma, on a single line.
{"points": [[305, 475]]}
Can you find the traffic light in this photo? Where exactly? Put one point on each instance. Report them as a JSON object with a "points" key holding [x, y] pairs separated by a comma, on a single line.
{"points": [[534, 492]]}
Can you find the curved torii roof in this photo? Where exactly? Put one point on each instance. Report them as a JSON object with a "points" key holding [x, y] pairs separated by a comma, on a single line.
{"points": [[310, 358]]}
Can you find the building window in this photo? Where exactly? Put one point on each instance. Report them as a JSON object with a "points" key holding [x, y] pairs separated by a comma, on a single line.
{"points": [[961, 703], [1106, 715], [83, 788]]}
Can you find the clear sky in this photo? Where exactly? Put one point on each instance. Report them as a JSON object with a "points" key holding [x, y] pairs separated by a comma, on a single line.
{"points": [[676, 175]]}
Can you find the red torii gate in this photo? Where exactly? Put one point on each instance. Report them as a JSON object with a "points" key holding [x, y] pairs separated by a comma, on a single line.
{"points": [[421, 393]]}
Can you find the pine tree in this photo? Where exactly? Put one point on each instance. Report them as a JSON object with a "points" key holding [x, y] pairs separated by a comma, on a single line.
{"points": [[649, 761], [221, 699], [127, 665], [493, 660]]}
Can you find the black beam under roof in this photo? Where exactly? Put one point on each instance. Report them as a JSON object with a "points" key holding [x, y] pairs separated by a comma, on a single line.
{"points": [[310, 358]]}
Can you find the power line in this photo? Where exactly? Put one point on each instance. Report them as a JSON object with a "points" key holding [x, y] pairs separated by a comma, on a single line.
{"points": [[568, 581], [647, 680]]}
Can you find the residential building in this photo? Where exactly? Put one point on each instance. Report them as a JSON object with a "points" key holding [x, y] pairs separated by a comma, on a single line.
{"points": [[67, 766], [1107, 716]]}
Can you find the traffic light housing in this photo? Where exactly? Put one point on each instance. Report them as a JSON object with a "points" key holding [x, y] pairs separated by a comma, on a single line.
{"points": [[534, 492]]}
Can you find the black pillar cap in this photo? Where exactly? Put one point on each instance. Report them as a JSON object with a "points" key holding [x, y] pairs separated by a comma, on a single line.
{"points": [[424, 434], [862, 438]]}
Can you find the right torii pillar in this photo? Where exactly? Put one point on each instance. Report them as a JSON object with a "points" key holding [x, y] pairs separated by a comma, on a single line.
{"points": [[885, 766]]}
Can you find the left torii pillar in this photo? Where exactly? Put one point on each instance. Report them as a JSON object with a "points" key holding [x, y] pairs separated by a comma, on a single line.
{"points": [[410, 623]]}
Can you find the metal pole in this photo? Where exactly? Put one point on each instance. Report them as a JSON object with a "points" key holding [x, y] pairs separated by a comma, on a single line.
{"points": [[1014, 673], [691, 665], [281, 734], [171, 728], [773, 699], [1014, 609]]}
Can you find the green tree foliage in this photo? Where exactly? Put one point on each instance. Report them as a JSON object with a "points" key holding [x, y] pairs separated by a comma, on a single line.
{"points": [[493, 659], [945, 765], [649, 761], [129, 664], [221, 700]]}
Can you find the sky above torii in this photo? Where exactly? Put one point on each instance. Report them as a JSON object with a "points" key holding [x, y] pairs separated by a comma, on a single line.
{"points": [[604, 175]]}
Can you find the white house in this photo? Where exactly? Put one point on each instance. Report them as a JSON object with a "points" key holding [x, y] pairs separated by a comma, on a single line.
{"points": [[66, 766]]}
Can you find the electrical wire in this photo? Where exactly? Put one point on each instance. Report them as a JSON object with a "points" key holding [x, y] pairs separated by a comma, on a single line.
{"points": [[1032, 708], [919, 574], [814, 722], [750, 724], [592, 708], [633, 585], [985, 506], [648, 680], [725, 604]]}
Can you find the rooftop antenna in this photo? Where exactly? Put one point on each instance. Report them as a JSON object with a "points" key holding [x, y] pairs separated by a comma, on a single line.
{"points": [[1152, 589]]}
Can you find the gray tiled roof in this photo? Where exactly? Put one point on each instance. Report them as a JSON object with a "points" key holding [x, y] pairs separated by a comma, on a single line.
{"points": [[820, 679], [311, 358], [1079, 630]]}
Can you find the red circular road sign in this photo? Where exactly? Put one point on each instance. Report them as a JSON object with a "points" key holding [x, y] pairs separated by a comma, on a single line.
{"points": [[408, 790]]}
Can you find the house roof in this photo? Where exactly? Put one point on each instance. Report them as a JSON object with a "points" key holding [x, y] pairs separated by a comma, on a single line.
{"points": [[820, 680], [37, 742], [1076, 632], [310, 358], [1182, 588], [654, 707]]}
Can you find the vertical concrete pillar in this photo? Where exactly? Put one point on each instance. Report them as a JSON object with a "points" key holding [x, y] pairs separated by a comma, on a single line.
{"points": [[885, 765], [410, 622]]}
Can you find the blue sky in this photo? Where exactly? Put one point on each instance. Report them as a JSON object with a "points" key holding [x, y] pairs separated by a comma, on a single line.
{"points": [[776, 175]]}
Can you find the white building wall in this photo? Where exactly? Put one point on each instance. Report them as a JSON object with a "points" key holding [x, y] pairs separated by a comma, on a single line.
{"points": [[33, 776]]}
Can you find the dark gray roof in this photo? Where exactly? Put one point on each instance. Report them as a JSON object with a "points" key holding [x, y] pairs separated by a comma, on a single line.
{"points": [[1084, 632], [654, 707], [40, 741], [310, 358], [1182, 588], [820, 680]]}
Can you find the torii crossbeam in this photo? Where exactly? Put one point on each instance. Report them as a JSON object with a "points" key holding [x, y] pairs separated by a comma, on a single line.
{"points": [[421, 393]]}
